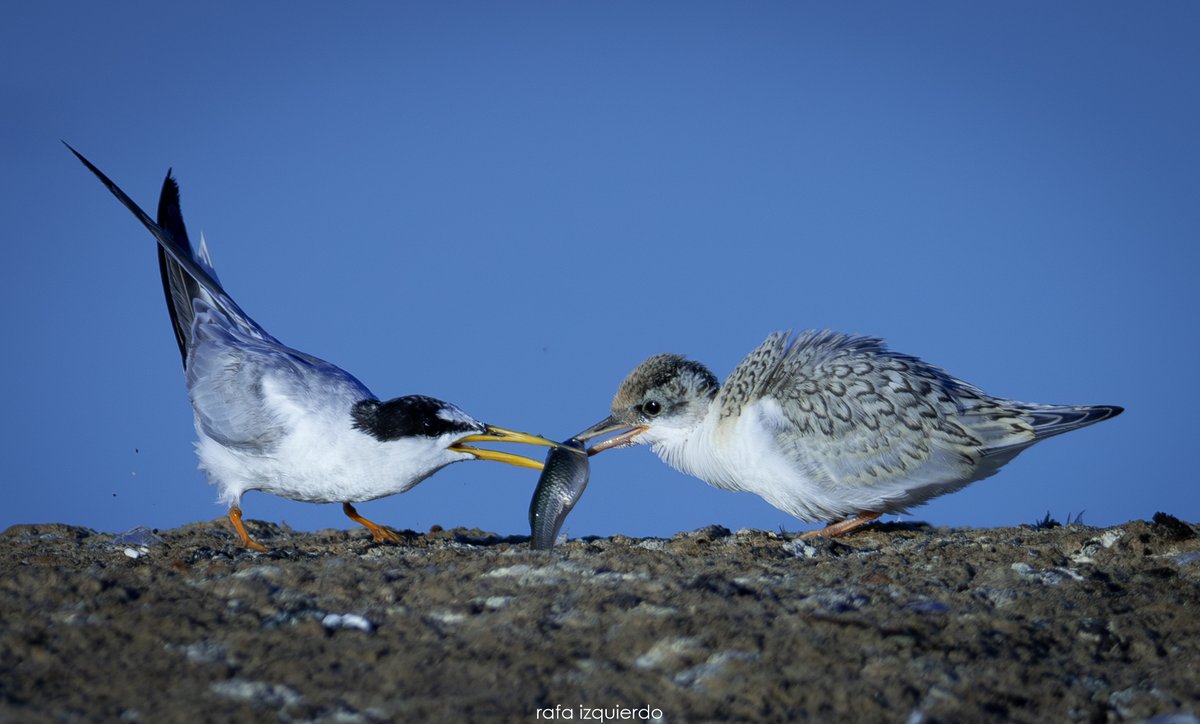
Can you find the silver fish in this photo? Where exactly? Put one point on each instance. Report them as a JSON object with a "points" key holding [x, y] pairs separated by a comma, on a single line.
{"points": [[558, 489]]}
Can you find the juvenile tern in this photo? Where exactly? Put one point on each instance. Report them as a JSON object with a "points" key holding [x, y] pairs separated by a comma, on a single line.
{"points": [[826, 426], [275, 419]]}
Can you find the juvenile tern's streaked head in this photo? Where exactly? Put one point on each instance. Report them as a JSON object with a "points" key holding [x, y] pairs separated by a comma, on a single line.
{"points": [[828, 426], [665, 395], [275, 419]]}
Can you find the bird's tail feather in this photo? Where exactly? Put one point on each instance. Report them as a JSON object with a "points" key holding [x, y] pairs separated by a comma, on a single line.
{"points": [[1051, 420], [179, 287], [184, 276], [205, 259]]}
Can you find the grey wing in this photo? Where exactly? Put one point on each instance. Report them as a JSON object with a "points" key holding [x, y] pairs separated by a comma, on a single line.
{"points": [[748, 380], [236, 381], [855, 413]]}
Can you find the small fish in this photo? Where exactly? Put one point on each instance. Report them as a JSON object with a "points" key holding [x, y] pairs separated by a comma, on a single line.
{"points": [[560, 487]]}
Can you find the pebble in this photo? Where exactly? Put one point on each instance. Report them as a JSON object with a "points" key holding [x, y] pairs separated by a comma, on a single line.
{"points": [[347, 620]]}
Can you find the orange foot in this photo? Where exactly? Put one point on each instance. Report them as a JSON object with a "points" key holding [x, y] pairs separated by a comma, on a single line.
{"points": [[235, 517], [833, 530], [378, 532]]}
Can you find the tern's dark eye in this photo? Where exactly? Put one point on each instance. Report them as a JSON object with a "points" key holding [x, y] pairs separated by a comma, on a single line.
{"points": [[652, 408]]}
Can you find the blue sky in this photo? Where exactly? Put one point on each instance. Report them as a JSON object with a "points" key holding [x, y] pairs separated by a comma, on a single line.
{"points": [[509, 206]]}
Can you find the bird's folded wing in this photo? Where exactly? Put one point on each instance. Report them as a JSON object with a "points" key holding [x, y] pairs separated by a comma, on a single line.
{"points": [[852, 412], [246, 390]]}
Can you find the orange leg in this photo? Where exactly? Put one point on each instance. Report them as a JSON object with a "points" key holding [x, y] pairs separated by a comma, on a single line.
{"points": [[378, 532], [833, 530], [235, 517]]}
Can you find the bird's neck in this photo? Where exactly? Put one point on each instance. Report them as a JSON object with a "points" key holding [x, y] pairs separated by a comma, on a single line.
{"points": [[676, 446]]}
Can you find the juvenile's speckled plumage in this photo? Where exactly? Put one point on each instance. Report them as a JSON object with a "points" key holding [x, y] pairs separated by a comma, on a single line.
{"points": [[827, 425], [275, 419]]}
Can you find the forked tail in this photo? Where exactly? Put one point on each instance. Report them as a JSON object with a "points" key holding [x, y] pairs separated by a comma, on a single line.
{"points": [[186, 275]]}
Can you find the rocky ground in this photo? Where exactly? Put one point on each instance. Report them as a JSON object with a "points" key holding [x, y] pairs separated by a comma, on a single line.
{"points": [[894, 623]]}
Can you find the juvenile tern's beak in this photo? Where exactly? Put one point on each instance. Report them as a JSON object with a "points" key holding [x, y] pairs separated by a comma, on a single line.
{"points": [[492, 433], [606, 426]]}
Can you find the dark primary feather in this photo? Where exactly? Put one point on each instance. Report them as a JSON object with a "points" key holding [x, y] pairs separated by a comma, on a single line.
{"points": [[180, 256], [178, 287]]}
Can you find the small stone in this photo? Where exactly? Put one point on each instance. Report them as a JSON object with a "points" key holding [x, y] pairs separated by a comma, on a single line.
{"points": [[258, 693], [347, 620]]}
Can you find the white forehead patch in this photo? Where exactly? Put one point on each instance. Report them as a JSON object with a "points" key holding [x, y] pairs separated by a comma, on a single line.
{"points": [[450, 413]]}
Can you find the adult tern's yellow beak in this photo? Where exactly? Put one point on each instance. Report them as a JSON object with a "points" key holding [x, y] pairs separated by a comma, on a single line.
{"points": [[491, 433]]}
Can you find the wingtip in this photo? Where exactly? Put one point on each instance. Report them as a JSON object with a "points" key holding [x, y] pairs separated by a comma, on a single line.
{"points": [[79, 156], [170, 188], [170, 212]]}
